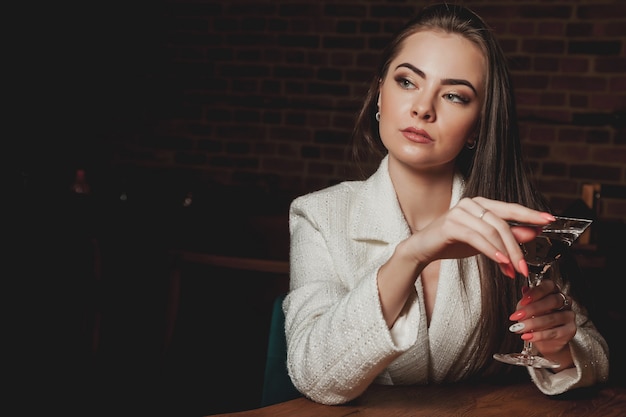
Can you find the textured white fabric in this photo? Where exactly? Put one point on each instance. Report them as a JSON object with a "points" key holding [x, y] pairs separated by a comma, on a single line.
{"points": [[338, 341]]}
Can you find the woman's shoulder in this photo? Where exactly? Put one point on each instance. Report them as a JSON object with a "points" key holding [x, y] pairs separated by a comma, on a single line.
{"points": [[330, 197], [341, 196]]}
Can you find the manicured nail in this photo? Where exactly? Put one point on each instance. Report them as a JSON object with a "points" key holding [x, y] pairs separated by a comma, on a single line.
{"points": [[518, 315], [516, 327], [523, 267], [548, 216], [527, 299], [508, 270], [503, 259], [525, 289], [527, 336]]}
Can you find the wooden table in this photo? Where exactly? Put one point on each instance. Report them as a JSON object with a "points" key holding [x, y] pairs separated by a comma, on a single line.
{"points": [[480, 400]]}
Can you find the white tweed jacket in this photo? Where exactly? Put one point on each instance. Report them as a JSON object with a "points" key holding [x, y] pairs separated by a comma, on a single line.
{"points": [[337, 340]]}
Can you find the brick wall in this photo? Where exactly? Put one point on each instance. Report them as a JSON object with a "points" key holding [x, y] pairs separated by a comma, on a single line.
{"points": [[260, 93]]}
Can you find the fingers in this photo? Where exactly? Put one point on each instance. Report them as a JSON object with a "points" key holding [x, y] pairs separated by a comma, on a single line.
{"points": [[544, 317], [566, 302], [473, 227], [514, 212], [494, 237], [545, 297], [511, 247], [525, 234], [480, 225], [549, 332], [545, 322]]}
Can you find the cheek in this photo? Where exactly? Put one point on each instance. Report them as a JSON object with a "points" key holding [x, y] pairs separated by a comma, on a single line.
{"points": [[460, 126], [393, 109], [392, 103], [461, 130]]}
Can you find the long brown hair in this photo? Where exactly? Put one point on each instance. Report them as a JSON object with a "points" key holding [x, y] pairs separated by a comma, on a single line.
{"points": [[494, 169]]}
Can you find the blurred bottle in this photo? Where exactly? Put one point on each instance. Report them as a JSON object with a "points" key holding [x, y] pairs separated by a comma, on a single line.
{"points": [[80, 184], [188, 200]]}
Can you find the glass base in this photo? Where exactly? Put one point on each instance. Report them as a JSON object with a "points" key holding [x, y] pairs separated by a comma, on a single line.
{"points": [[523, 359]]}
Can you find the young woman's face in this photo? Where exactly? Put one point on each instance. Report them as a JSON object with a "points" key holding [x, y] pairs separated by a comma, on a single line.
{"points": [[430, 99]]}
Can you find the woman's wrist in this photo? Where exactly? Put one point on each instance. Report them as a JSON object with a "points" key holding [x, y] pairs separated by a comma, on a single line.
{"points": [[564, 358], [408, 253]]}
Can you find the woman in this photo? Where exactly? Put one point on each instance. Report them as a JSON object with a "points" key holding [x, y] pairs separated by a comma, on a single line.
{"points": [[407, 277]]}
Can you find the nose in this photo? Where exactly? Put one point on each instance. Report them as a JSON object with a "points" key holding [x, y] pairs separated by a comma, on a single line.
{"points": [[423, 107]]}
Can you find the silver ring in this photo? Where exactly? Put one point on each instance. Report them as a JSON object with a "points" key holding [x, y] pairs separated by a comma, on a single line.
{"points": [[482, 213], [566, 302]]}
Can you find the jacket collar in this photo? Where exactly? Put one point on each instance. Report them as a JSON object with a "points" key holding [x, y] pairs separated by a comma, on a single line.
{"points": [[375, 212]]}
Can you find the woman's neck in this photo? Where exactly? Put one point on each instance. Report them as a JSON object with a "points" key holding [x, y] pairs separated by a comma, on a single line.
{"points": [[423, 195]]}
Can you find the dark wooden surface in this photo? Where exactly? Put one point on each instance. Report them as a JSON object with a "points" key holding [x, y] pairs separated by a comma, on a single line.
{"points": [[480, 400]]}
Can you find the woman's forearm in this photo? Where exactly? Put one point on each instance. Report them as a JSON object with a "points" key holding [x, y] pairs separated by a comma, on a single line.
{"points": [[396, 281]]}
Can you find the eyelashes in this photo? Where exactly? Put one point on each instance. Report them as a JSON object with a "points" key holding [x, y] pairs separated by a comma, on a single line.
{"points": [[405, 83], [456, 98]]}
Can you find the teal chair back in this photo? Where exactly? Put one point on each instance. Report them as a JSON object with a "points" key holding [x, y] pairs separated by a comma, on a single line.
{"points": [[277, 385]]}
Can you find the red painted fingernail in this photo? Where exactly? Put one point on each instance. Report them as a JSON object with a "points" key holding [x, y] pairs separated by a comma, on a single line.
{"points": [[503, 259], [525, 289], [527, 299], [518, 315], [527, 336], [509, 271], [523, 267]]}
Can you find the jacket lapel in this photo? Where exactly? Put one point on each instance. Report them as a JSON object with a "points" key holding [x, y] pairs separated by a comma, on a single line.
{"points": [[375, 213]]}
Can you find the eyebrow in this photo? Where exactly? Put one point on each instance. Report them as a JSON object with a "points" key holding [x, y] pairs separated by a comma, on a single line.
{"points": [[444, 81]]}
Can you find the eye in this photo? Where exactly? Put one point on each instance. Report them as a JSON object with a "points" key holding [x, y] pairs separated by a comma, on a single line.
{"points": [[404, 83], [456, 98]]}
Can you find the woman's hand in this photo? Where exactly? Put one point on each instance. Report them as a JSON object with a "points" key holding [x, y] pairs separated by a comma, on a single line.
{"points": [[473, 226], [544, 318], [478, 225]]}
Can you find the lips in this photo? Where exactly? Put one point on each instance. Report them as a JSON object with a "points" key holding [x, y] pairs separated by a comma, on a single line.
{"points": [[416, 135]]}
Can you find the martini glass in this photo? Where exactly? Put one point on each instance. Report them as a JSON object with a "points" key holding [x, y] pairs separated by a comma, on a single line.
{"points": [[540, 254]]}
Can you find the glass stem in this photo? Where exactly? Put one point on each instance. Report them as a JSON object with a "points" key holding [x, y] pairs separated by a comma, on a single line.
{"points": [[534, 279], [528, 348]]}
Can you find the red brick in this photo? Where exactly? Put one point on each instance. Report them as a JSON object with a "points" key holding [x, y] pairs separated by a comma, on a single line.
{"points": [[279, 84], [610, 155]]}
